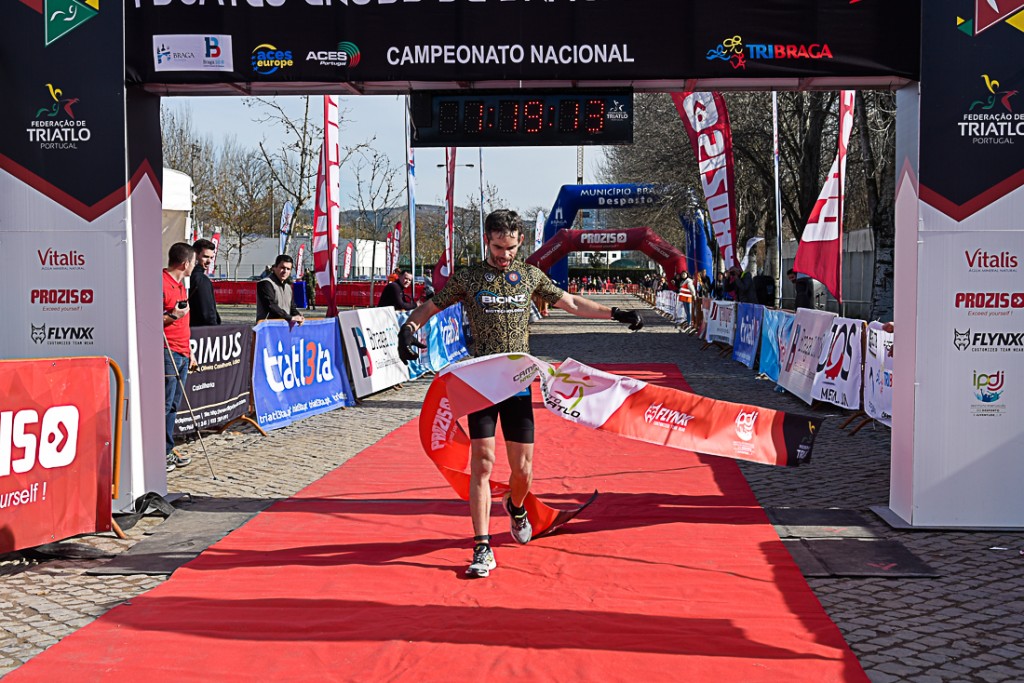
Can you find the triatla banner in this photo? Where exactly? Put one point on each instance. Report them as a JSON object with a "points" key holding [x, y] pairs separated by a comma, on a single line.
{"points": [[610, 403], [800, 359], [837, 377]]}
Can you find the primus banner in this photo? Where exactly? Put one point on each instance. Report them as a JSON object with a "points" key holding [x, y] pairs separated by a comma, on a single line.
{"points": [[218, 391]]}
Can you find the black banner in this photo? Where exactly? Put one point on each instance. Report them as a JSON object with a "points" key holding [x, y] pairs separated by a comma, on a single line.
{"points": [[972, 106], [383, 45], [219, 390]]}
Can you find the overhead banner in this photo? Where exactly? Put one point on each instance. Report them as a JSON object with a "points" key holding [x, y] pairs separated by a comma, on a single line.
{"points": [[371, 346], [878, 374], [838, 375], [707, 124], [628, 239], [748, 333], [55, 450], [323, 42], [800, 361], [219, 390], [721, 322], [776, 328], [298, 371], [447, 339], [611, 403]]}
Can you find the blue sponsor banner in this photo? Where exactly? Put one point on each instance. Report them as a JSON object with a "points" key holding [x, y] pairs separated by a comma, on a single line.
{"points": [[417, 368], [776, 328], [446, 339], [748, 333], [298, 371]]}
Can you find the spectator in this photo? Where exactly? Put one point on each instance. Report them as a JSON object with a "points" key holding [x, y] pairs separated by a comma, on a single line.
{"points": [[398, 293], [201, 302], [178, 360], [804, 286], [274, 296]]}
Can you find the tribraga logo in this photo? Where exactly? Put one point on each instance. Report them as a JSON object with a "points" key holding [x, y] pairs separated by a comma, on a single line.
{"points": [[733, 51]]}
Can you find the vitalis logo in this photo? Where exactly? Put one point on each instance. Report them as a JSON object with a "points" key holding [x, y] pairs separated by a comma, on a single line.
{"points": [[990, 120], [732, 50], [55, 125], [51, 259], [745, 424], [982, 261], [59, 335], [988, 341]]}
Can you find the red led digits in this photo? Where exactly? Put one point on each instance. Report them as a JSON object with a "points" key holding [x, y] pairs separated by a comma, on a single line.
{"points": [[448, 119], [568, 116], [533, 116], [595, 116], [473, 117], [508, 116]]}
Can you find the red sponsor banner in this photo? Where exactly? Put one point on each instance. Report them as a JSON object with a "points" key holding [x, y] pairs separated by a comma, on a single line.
{"points": [[396, 245], [298, 259], [55, 450], [215, 238], [446, 264], [346, 268], [820, 252], [325, 212], [707, 123], [389, 250]]}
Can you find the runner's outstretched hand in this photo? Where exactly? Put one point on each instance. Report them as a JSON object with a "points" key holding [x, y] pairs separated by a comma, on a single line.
{"points": [[628, 317], [407, 343]]}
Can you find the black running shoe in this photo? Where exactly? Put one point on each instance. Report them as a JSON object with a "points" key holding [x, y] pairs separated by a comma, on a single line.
{"points": [[522, 530], [483, 561]]}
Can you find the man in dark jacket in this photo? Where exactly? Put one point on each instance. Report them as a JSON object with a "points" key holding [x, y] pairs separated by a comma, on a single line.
{"points": [[201, 302], [274, 300], [397, 293]]}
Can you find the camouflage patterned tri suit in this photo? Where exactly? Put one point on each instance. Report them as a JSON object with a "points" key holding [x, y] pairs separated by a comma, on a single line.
{"points": [[498, 305]]}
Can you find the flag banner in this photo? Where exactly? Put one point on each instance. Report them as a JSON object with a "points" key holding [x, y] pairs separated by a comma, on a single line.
{"points": [[219, 390], [837, 378], [446, 338], [297, 372], [286, 225], [346, 269], [299, 255], [411, 197], [705, 309], [215, 238], [751, 243], [396, 245], [538, 231], [600, 400], [776, 328], [371, 346], [55, 450], [721, 322], [420, 366], [389, 251], [878, 374], [707, 123], [748, 333], [820, 252], [445, 264], [325, 212], [800, 360]]}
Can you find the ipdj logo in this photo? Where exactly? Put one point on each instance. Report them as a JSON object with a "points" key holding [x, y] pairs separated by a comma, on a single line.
{"points": [[51, 442], [987, 102], [302, 363], [267, 59], [988, 388], [745, 424], [733, 51]]}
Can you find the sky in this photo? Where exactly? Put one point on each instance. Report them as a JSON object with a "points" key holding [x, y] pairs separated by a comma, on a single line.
{"points": [[526, 177]]}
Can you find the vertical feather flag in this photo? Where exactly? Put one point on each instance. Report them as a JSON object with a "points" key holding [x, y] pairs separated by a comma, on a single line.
{"points": [[325, 214], [446, 264]]}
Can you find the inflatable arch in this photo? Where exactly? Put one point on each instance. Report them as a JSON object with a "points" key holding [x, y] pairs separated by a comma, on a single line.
{"points": [[630, 239]]}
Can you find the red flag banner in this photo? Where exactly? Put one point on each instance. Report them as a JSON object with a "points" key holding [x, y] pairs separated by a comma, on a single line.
{"points": [[215, 238], [707, 123], [55, 450], [325, 213], [446, 264], [389, 250], [820, 252], [611, 403], [397, 245], [346, 268], [298, 259]]}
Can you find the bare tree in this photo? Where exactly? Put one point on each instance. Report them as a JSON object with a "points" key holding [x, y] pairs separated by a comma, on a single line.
{"points": [[241, 199], [467, 222], [377, 190], [184, 150]]}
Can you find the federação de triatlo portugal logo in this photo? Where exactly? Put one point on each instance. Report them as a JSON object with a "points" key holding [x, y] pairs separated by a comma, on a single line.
{"points": [[57, 124]]}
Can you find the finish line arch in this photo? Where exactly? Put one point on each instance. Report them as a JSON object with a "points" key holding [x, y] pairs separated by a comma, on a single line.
{"points": [[80, 162], [631, 239]]}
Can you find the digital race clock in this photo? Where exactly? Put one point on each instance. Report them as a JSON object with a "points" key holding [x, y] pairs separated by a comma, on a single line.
{"points": [[491, 119]]}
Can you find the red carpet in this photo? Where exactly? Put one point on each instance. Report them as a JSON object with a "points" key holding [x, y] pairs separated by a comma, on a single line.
{"points": [[672, 574]]}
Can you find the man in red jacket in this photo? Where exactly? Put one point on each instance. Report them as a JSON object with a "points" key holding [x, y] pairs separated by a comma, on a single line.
{"points": [[181, 259]]}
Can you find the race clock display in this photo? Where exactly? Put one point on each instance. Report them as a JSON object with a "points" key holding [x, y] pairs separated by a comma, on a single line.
{"points": [[494, 119]]}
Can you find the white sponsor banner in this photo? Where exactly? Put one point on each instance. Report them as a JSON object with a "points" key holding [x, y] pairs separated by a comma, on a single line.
{"points": [[370, 337], [722, 322], [800, 360], [192, 52], [878, 374], [837, 379]]}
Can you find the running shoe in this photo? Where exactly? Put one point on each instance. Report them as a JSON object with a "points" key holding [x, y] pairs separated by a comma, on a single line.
{"points": [[170, 463], [522, 530], [483, 561], [178, 460]]}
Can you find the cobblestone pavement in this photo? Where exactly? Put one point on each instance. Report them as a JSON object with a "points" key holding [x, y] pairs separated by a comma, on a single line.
{"points": [[966, 625]]}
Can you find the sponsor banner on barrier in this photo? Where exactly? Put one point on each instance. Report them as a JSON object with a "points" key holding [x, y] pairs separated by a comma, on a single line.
{"points": [[800, 361], [297, 371], [837, 378], [371, 346], [878, 374], [447, 342], [419, 367], [722, 322], [705, 309], [218, 391], [776, 328], [748, 333], [55, 450]]}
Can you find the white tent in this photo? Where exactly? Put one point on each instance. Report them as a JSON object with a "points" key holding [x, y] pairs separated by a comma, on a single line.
{"points": [[177, 210]]}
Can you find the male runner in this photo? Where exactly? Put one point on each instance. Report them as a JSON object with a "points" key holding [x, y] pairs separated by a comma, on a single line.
{"points": [[496, 296]]}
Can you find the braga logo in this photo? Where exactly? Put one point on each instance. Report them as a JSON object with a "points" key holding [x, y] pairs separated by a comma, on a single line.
{"points": [[733, 51], [267, 59]]}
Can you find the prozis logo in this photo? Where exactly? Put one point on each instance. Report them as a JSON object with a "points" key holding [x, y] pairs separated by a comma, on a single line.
{"points": [[55, 125], [302, 363], [61, 335], [62, 296], [603, 238], [52, 259], [675, 420], [988, 387], [733, 51], [441, 427], [988, 342], [982, 261], [989, 300], [50, 442]]}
